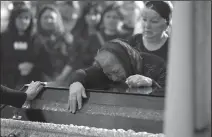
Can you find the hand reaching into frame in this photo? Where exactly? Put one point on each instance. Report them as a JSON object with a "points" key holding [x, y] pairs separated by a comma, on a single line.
{"points": [[76, 93]]}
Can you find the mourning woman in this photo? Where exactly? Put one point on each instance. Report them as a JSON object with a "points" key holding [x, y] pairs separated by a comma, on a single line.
{"points": [[17, 51], [55, 41], [107, 29], [117, 63], [86, 25], [156, 19]]}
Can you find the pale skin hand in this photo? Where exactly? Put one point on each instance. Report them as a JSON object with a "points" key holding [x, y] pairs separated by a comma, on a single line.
{"points": [[138, 81], [76, 93], [25, 68], [33, 90]]}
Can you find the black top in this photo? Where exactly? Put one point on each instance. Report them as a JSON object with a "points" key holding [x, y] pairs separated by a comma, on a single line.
{"points": [[12, 97], [93, 77], [136, 41]]}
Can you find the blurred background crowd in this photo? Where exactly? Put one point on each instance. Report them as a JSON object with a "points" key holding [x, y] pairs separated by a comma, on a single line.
{"points": [[47, 40]]}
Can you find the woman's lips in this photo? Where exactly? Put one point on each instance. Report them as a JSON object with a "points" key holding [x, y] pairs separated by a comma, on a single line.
{"points": [[147, 32]]}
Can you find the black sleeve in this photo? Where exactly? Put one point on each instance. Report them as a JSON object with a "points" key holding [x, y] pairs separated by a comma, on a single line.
{"points": [[160, 82], [92, 78], [12, 97], [132, 40], [154, 68]]}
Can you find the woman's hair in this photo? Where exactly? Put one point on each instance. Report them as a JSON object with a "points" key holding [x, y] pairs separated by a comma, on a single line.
{"points": [[112, 7], [81, 27], [14, 14], [60, 27]]}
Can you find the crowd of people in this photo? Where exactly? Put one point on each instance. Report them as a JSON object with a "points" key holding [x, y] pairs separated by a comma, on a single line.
{"points": [[86, 44]]}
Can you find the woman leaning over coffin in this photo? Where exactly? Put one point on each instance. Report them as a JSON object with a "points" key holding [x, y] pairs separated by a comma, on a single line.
{"points": [[116, 63]]}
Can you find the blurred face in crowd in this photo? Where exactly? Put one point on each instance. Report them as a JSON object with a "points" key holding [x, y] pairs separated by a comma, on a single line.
{"points": [[49, 20], [69, 15], [111, 20], [92, 18], [130, 12], [22, 22], [153, 25], [111, 66]]}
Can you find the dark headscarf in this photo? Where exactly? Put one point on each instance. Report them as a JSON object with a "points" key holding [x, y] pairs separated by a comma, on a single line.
{"points": [[135, 62], [130, 58], [163, 8]]}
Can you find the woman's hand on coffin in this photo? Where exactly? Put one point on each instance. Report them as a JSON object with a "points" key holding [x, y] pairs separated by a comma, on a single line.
{"points": [[138, 81], [76, 92], [33, 89], [25, 68]]}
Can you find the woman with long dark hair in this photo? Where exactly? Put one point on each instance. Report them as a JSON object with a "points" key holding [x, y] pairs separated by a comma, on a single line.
{"points": [[83, 30], [55, 43], [107, 29], [17, 51]]}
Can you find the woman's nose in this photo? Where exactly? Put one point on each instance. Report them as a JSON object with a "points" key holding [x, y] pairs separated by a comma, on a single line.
{"points": [[49, 20], [147, 24]]}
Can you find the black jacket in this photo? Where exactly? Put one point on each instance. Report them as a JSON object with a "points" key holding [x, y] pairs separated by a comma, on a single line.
{"points": [[12, 97]]}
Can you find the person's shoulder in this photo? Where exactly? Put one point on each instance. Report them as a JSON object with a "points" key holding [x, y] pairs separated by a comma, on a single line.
{"points": [[5, 34], [135, 39], [5, 39]]}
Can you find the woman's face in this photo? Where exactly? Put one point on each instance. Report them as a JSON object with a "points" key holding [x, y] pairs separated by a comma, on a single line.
{"points": [[22, 22], [92, 18], [152, 23], [111, 66], [49, 20], [130, 13], [69, 15], [111, 20]]}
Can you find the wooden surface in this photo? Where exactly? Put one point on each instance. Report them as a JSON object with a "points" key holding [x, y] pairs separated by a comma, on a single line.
{"points": [[109, 110]]}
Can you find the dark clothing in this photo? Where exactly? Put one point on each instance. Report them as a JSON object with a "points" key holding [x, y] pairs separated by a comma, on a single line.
{"points": [[136, 42], [55, 53], [12, 97], [133, 62], [14, 51], [56, 43]]}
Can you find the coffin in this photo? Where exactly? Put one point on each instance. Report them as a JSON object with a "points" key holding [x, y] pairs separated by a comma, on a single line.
{"points": [[118, 111]]}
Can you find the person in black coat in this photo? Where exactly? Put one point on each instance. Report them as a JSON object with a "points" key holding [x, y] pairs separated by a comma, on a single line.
{"points": [[117, 63], [16, 98], [156, 25], [18, 56]]}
